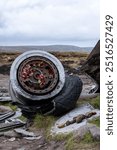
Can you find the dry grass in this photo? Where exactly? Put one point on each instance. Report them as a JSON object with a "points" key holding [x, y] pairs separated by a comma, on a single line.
{"points": [[95, 102], [70, 60]]}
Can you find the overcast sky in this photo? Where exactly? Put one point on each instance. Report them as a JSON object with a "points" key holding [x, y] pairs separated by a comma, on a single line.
{"points": [[45, 22]]}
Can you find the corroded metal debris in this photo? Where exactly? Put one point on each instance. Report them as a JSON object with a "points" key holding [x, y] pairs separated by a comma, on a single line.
{"points": [[6, 115], [77, 119], [10, 125]]}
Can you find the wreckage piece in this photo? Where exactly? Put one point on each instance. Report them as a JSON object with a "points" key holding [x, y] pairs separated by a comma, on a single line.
{"points": [[6, 115], [65, 101], [36, 75], [77, 119], [68, 97], [11, 125], [38, 85], [92, 65], [5, 99]]}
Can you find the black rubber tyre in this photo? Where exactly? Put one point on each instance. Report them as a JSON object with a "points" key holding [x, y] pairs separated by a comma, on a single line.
{"points": [[59, 105], [67, 98]]}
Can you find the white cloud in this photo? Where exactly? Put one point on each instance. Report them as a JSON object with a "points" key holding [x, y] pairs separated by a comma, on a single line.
{"points": [[49, 21]]}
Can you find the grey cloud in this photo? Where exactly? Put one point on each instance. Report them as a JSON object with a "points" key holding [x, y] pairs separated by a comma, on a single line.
{"points": [[49, 20]]}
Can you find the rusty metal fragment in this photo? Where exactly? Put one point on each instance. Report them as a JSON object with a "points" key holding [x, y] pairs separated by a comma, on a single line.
{"points": [[77, 119]]}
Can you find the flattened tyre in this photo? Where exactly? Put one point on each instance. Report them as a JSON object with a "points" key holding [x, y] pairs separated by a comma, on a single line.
{"points": [[67, 98], [62, 103]]}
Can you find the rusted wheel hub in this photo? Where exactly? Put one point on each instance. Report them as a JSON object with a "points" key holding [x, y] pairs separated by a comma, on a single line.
{"points": [[38, 75]]}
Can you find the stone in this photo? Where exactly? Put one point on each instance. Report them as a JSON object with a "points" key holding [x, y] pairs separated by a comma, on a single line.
{"points": [[60, 125], [90, 114], [79, 134], [94, 130], [79, 118], [22, 148], [11, 134], [4, 109], [11, 139]]}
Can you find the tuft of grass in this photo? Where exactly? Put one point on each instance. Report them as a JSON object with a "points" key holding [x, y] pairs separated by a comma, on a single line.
{"points": [[70, 144], [69, 54], [61, 137], [45, 122], [95, 102], [95, 121], [88, 146], [13, 107], [23, 118], [88, 138], [67, 138]]}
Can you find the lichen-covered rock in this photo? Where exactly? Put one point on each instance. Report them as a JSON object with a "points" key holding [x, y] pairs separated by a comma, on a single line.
{"points": [[94, 130], [79, 134]]}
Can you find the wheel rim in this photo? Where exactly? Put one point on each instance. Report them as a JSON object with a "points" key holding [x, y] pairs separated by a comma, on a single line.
{"points": [[24, 93], [37, 75]]}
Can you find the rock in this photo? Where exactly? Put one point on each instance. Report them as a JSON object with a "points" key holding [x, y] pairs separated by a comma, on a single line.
{"points": [[4, 109], [60, 127], [79, 134], [68, 123], [11, 134], [33, 138], [22, 148], [11, 139], [90, 114], [79, 118], [94, 130]]}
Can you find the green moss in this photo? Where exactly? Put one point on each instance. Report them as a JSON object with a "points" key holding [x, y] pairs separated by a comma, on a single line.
{"points": [[41, 121], [45, 123], [13, 107], [95, 121], [61, 137], [88, 138], [67, 138], [95, 102], [22, 118], [70, 144]]}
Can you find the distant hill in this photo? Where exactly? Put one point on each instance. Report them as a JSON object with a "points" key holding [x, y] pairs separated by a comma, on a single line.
{"points": [[45, 48]]}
